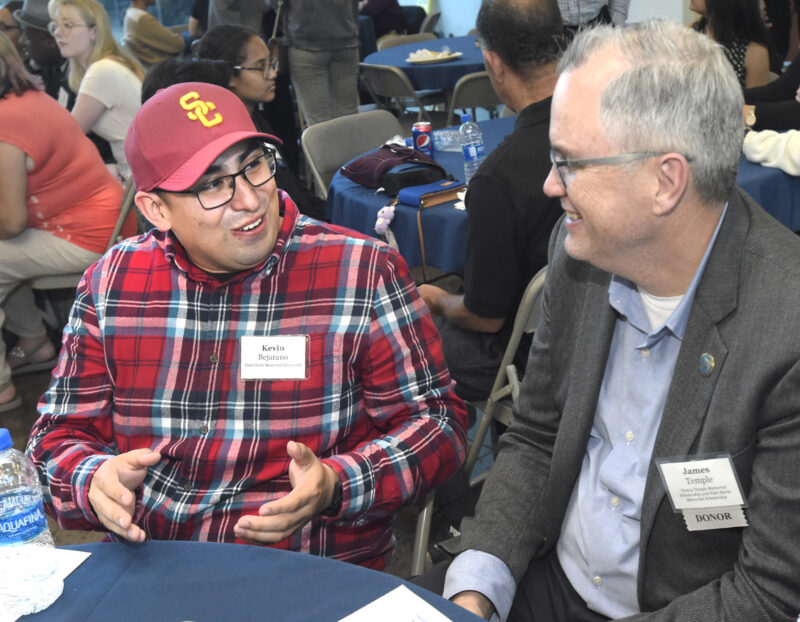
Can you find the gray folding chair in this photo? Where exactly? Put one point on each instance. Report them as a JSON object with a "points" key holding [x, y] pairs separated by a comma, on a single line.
{"points": [[499, 405], [391, 88], [329, 145], [393, 40], [472, 91], [430, 22]]}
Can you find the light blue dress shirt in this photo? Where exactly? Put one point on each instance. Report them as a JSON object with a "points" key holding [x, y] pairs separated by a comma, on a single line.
{"points": [[599, 543]]}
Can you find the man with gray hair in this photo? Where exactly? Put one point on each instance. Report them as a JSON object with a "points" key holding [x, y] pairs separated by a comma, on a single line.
{"points": [[650, 472]]}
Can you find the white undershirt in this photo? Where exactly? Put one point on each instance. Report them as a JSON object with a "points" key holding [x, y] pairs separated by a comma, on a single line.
{"points": [[657, 308]]}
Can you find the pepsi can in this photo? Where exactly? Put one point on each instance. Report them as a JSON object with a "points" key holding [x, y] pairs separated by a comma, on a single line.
{"points": [[422, 134]]}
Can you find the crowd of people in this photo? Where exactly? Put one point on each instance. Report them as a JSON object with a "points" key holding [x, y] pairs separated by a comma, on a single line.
{"points": [[243, 371]]}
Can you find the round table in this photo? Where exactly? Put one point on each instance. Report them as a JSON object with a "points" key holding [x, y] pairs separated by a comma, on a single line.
{"points": [[434, 75], [202, 581]]}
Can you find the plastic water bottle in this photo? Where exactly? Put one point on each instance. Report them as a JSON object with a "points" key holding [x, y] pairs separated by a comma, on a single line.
{"points": [[28, 578], [472, 144]]}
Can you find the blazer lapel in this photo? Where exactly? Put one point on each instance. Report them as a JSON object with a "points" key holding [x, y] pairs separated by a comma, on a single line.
{"points": [[691, 391]]}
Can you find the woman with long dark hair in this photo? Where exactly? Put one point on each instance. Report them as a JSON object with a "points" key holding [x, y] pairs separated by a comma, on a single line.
{"points": [[737, 26]]}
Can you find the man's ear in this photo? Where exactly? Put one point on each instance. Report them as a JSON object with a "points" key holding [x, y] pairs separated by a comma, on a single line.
{"points": [[154, 209], [494, 65], [673, 180]]}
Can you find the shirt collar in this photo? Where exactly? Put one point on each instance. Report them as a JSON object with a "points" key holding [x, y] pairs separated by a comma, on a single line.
{"points": [[624, 297]]}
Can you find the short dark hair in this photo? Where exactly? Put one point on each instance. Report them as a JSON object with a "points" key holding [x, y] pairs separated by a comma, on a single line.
{"points": [[177, 70], [523, 33]]}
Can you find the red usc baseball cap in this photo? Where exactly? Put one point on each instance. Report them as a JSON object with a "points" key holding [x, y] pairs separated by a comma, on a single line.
{"points": [[179, 132]]}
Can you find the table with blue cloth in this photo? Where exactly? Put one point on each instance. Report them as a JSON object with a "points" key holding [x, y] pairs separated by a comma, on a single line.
{"points": [[445, 227], [203, 581], [434, 75]]}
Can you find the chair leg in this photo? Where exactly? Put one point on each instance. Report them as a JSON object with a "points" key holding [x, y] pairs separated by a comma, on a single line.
{"points": [[419, 558]]}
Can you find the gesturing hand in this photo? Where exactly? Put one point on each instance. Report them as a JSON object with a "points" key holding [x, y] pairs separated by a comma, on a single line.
{"points": [[312, 491], [111, 491]]}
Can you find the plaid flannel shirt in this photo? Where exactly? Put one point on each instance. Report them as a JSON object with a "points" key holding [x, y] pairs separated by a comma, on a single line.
{"points": [[150, 358]]}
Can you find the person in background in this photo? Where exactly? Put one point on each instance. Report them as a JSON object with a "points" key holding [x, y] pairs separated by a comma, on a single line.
{"points": [[776, 105], [9, 26], [146, 38], [387, 16], [283, 385], [774, 149], [666, 352], [586, 13], [198, 20], [509, 218], [40, 51], [58, 207], [107, 80], [245, 13], [737, 26], [254, 70], [322, 36]]}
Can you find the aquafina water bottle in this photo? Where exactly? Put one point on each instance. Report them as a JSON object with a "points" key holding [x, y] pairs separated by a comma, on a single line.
{"points": [[28, 578], [472, 144]]}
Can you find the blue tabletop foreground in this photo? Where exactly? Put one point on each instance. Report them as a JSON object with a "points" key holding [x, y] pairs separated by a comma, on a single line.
{"points": [[209, 582]]}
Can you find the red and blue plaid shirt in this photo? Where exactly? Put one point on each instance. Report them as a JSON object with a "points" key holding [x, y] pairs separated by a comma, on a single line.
{"points": [[150, 358]]}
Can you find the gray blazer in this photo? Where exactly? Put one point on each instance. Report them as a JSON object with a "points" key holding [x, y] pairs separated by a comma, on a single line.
{"points": [[746, 313]]}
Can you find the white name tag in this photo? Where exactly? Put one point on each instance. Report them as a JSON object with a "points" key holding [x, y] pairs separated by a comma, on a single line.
{"points": [[706, 491], [274, 357]]}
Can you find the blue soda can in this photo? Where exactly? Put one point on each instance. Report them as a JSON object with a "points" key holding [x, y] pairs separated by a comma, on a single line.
{"points": [[422, 134]]}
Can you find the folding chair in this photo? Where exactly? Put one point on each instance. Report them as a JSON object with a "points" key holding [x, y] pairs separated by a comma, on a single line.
{"points": [[391, 87], [472, 91], [430, 22], [499, 405], [329, 145], [393, 40]]}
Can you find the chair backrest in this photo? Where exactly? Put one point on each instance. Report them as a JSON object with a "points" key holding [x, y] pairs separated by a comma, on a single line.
{"points": [[390, 41], [527, 318], [329, 145], [430, 22], [388, 82], [415, 15], [473, 90], [71, 280]]}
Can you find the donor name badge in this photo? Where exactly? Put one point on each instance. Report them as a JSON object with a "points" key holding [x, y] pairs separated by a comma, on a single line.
{"points": [[706, 491], [274, 357]]}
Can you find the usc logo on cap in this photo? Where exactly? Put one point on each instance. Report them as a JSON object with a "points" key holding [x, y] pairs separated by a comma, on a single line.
{"points": [[198, 109]]}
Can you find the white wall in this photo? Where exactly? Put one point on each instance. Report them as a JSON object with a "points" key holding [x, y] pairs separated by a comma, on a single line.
{"points": [[458, 16]]}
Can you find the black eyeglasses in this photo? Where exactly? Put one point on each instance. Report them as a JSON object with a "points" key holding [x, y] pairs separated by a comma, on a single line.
{"points": [[269, 67], [218, 191], [615, 160]]}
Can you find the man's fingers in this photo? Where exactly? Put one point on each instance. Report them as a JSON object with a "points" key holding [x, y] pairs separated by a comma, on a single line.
{"points": [[300, 453]]}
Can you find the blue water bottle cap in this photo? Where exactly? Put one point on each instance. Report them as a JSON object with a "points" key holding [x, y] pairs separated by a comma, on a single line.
{"points": [[466, 117], [5, 439], [409, 142]]}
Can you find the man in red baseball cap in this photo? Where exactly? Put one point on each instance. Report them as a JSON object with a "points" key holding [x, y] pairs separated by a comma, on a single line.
{"points": [[242, 372]]}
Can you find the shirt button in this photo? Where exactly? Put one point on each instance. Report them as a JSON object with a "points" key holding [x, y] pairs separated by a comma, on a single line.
{"points": [[645, 353], [187, 486], [614, 501], [203, 429], [629, 436], [213, 358], [598, 581]]}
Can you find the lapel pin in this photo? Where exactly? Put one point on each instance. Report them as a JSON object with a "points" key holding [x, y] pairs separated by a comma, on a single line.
{"points": [[706, 364]]}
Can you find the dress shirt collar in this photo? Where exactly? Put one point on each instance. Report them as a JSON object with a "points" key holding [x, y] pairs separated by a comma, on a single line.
{"points": [[623, 297]]}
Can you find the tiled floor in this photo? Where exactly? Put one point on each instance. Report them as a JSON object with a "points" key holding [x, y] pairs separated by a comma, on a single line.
{"points": [[19, 422]]}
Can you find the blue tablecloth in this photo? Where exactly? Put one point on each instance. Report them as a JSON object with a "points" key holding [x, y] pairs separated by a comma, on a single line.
{"points": [[436, 75], [207, 582], [445, 228]]}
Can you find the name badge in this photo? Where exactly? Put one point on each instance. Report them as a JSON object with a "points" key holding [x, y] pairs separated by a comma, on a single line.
{"points": [[282, 357], [705, 490]]}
